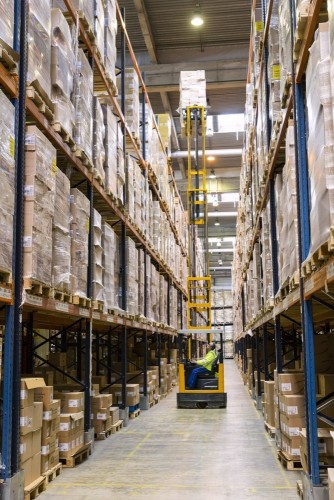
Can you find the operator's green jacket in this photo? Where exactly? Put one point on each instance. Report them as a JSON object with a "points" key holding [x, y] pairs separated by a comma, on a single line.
{"points": [[208, 360]]}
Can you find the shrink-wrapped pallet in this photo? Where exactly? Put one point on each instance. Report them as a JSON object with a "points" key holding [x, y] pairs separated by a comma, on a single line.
{"points": [[285, 44], [62, 71], [110, 33], [266, 256], [165, 130], [99, 141], [131, 100], [132, 277], [61, 240], [7, 21], [110, 147], [138, 192], [39, 199], [257, 36], [80, 212], [192, 89], [39, 46], [84, 8], [130, 195], [141, 281], [7, 182], [99, 27], [98, 287], [120, 164], [108, 263], [83, 104]]}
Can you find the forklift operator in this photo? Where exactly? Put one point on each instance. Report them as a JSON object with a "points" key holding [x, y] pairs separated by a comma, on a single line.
{"points": [[205, 365]]}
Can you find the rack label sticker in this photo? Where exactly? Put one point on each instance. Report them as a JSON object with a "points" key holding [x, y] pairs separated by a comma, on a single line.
{"points": [[54, 166], [84, 312], [64, 426], [291, 410], [293, 431], [47, 415], [45, 450], [276, 74], [62, 306], [73, 403], [27, 242], [34, 300], [286, 387], [12, 146], [5, 293], [23, 394], [29, 190], [96, 315], [259, 26], [110, 319]]}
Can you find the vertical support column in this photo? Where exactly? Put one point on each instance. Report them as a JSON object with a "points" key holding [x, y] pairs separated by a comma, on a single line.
{"points": [[109, 358], [88, 375], [258, 367], [97, 353], [159, 356], [28, 362], [143, 103], [145, 362], [79, 352], [265, 352], [252, 340]]}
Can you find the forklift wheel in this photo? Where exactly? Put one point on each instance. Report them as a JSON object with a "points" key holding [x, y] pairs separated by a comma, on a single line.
{"points": [[201, 405]]}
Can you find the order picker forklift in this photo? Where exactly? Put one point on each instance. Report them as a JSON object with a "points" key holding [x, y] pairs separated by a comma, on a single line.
{"points": [[209, 390]]}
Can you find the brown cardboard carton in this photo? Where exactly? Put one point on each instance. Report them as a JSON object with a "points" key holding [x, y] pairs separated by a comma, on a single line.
{"points": [[330, 483], [269, 414], [26, 420], [291, 446], [27, 467], [36, 442], [292, 405], [45, 466], [291, 383], [53, 411], [26, 447], [269, 387], [95, 389], [28, 385], [291, 425], [37, 416], [114, 414], [101, 401], [325, 383], [59, 359], [36, 467], [54, 458], [71, 402], [44, 395]]}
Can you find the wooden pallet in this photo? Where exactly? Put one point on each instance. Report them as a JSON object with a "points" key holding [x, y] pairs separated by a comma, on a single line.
{"points": [[66, 136], [319, 257], [6, 277], [288, 462], [80, 153], [100, 436], [34, 489], [51, 474], [44, 105], [163, 396], [98, 305], [134, 414], [270, 430], [37, 288], [286, 90], [117, 426], [78, 457], [81, 301], [62, 296], [294, 281], [8, 57], [97, 175], [300, 491], [157, 399]]}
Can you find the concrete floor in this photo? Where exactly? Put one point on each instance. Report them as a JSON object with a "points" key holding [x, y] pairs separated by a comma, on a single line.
{"points": [[167, 453]]}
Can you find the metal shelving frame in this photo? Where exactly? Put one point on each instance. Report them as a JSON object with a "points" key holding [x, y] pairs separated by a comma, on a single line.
{"points": [[291, 320]]}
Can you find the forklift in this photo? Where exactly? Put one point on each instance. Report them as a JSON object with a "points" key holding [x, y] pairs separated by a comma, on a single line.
{"points": [[209, 390]]}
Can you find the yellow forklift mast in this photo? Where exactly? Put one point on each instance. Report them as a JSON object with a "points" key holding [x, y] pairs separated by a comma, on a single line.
{"points": [[209, 389]]}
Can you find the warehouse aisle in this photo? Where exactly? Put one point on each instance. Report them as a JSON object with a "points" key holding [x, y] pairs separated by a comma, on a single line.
{"points": [[179, 454]]}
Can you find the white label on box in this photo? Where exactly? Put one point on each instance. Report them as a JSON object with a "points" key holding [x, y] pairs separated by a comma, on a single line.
{"points": [[62, 306], [71, 198], [5, 293], [47, 415], [293, 431], [33, 300], [64, 446], [29, 190], [23, 394], [23, 448], [92, 416], [57, 442], [46, 465], [73, 403], [45, 450], [64, 426], [322, 448], [291, 410], [83, 312], [25, 421], [96, 315], [286, 387], [101, 416], [110, 319], [27, 242], [295, 452]]}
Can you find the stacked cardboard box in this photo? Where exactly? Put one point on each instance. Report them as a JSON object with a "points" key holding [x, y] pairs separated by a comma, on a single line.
{"points": [[98, 272], [108, 266], [7, 21], [131, 101], [192, 90], [101, 419], [98, 142], [110, 33], [274, 68], [80, 211], [71, 433], [83, 104], [62, 71], [50, 427], [39, 193], [132, 394], [31, 415], [85, 9], [7, 180], [165, 130], [61, 240], [257, 36], [110, 145], [99, 26], [325, 447], [39, 46], [285, 44], [132, 277]]}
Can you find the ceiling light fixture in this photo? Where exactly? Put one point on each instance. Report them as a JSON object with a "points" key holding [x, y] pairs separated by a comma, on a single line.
{"points": [[197, 19], [217, 223], [211, 158], [212, 174]]}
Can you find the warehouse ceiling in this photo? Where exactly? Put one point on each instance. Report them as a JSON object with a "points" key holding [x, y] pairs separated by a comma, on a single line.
{"points": [[165, 43]]}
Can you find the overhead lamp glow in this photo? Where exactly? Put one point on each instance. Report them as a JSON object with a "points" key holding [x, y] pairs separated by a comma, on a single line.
{"points": [[211, 158], [197, 20], [217, 223], [212, 174]]}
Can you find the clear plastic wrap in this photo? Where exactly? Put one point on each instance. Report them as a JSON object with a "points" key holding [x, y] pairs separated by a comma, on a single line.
{"points": [[110, 146], [108, 263], [80, 211], [39, 194], [130, 200], [110, 33], [99, 137], [7, 21], [131, 100], [83, 103], [99, 26], [285, 43], [132, 277], [98, 287], [39, 46], [84, 8], [61, 240], [192, 89]]}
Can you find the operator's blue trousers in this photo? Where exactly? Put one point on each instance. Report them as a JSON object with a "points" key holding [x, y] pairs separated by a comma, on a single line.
{"points": [[193, 376]]}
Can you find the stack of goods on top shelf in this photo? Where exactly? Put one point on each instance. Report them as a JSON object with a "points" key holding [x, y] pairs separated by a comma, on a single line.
{"points": [[39, 48], [285, 47], [99, 27], [62, 72], [192, 91], [39, 195], [7, 182], [319, 102], [110, 54], [98, 272], [85, 9], [7, 22], [273, 66], [98, 142], [110, 275], [80, 212], [131, 103], [114, 155], [266, 258]]}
